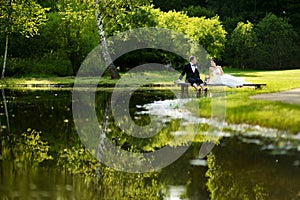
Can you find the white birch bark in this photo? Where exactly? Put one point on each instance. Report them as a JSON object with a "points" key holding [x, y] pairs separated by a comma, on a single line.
{"points": [[5, 56], [105, 53]]}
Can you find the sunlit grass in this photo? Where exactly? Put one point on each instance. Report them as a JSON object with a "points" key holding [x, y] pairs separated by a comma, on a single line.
{"points": [[278, 80], [130, 78], [273, 114], [37, 81]]}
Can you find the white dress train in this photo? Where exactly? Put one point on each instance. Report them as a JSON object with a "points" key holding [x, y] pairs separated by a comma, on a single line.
{"points": [[226, 79]]}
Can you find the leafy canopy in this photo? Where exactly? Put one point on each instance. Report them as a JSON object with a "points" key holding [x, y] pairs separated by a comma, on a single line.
{"points": [[23, 16]]}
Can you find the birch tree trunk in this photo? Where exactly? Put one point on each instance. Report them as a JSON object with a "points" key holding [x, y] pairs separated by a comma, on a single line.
{"points": [[105, 54], [5, 56]]}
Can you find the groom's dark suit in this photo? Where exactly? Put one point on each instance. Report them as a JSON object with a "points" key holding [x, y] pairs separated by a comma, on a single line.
{"points": [[191, 77]]}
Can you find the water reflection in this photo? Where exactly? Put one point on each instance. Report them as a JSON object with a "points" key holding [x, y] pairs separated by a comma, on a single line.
{"points": [[243, 165], [239, 170], [5, 112], [43, 183]]}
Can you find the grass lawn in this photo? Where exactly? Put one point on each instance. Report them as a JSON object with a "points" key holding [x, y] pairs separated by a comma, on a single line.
{"points": [[132, 78], [46, 80], [239, 107]]}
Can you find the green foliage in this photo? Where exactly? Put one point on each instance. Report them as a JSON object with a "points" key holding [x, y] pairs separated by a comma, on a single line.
{"points": [[75, 26], [238, 10], [224, 183], [49, 65], [208, 32], [21, 16], [264, 42], [270, 44], [128, 19], [77, 160], [48, 4], [176, 4], [121, 185], [199, 11], [240, 43], [111, 183], [248, 10], [125, 15], [276, 43], [26, 151], [232, 12], [293, 14], [230, 23]]}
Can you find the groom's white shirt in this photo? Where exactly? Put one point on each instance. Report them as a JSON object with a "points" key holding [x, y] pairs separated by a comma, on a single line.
{"points": [[193, 67]]}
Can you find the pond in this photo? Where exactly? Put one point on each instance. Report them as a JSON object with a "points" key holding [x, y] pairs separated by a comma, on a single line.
{"points": [[42, 156]]}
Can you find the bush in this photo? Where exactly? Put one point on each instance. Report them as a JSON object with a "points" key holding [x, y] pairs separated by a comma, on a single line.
{"points": [[50, 64]]}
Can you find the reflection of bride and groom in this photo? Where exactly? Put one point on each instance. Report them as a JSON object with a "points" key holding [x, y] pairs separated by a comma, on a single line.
{"points": [[216, 76]]}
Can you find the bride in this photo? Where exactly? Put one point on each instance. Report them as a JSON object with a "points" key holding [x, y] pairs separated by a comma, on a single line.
{"points": [[217, 76]]}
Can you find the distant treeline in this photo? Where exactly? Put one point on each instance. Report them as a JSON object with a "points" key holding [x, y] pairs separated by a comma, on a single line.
{"points": [[260, 34], [252, 34]]}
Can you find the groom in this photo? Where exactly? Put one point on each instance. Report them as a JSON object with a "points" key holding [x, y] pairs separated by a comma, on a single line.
{"points": [[192, 74]]}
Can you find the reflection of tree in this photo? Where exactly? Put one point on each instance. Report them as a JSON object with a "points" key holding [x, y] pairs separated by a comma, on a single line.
{"points": [[21, 174], [122, 185], [102, 135], [241, 170], [196, 186], [111, 184], [5, 109], [230, 178], [49, 112], [21, 157], [25, 151], [182, 173]]}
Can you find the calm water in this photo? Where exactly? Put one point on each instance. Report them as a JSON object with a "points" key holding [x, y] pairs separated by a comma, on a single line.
{"points": [[242, 165]]}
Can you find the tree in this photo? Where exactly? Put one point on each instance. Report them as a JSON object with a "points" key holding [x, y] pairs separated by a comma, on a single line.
{"points": [[176, 4], [74, 23], [23, 16], [198, 11], [136, 17], [110, 9], [292, 12], [207, 32], [276, 43], [240, 43]]}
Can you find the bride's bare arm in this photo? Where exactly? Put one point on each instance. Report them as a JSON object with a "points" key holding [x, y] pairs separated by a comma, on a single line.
{"points": [[210, 73], [222, 72]]}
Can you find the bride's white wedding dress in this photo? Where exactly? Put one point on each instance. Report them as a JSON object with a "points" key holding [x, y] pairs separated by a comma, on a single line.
{"points": [[225, 79]]}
